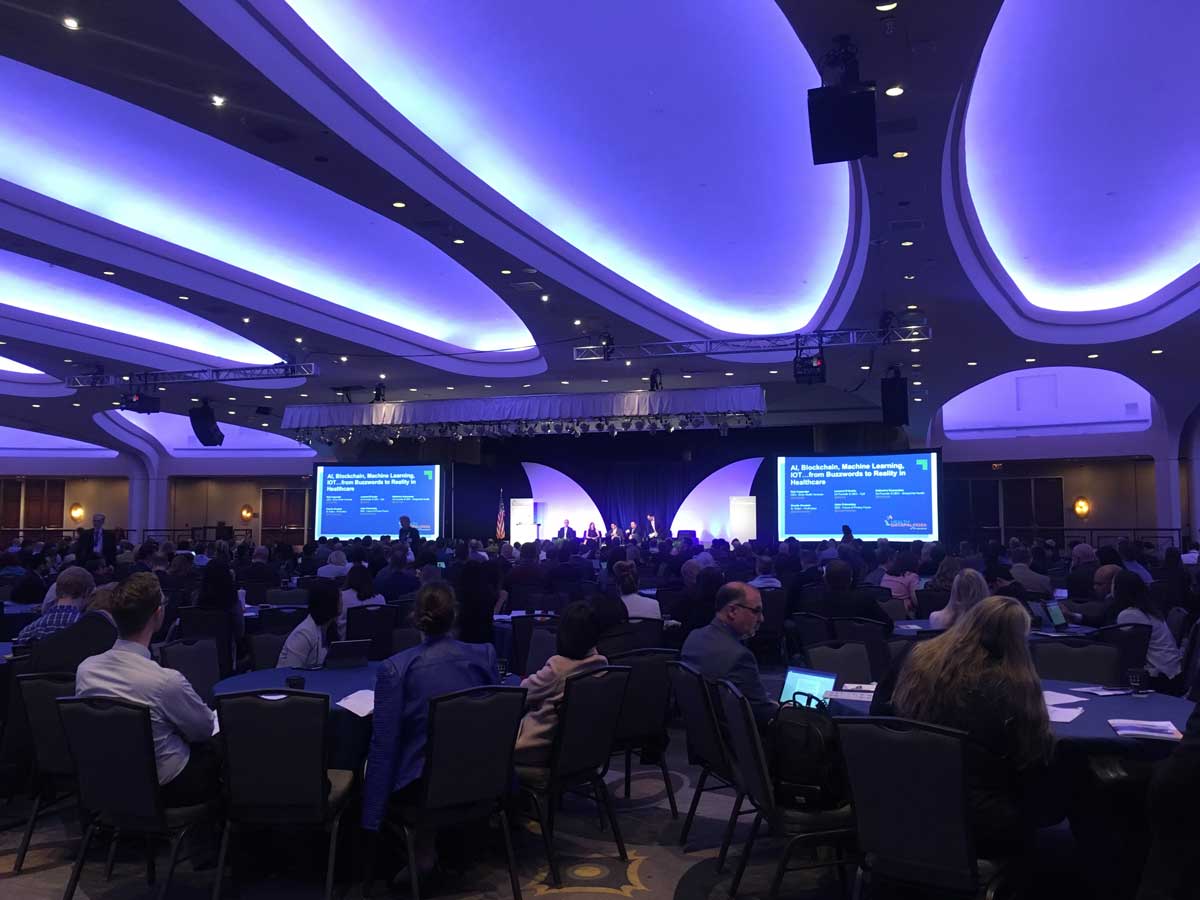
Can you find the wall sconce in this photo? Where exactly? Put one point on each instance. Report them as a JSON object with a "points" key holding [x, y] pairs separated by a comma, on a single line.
{"points": [[246, 512], [76, 512], [1083, 507]]}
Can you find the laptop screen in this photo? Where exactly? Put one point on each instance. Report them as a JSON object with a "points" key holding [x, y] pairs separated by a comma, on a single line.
{"points": [[808, 681], [1056, 614]]}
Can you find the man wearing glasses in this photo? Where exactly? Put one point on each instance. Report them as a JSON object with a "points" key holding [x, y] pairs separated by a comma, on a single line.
{"points": [[718, 650]]}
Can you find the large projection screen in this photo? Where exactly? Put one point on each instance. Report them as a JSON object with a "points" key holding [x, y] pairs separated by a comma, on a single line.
{"points": [[882, 495], [356, 501]]}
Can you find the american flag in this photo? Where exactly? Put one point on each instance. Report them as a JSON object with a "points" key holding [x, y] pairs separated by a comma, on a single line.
{"points": [[500, 533]]}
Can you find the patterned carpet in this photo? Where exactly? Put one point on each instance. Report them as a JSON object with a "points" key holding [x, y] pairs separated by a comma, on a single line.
{"points": [[291, 864]]}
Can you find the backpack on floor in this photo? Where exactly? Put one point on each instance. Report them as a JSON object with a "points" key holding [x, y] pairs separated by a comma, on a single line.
{"points": [[806, 759]]}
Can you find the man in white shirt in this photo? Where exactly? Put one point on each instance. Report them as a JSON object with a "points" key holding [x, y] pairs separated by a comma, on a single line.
{"points": [[180, 722], [765, 579], [1025, 576], [336, 567]]}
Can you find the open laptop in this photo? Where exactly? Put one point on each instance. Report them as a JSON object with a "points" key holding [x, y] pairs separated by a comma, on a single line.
{"points": [[807, 681], [1050, 614], [347, 654]]}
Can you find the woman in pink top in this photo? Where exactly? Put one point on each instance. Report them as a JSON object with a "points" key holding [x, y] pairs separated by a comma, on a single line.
{"points": [[902, 580]]}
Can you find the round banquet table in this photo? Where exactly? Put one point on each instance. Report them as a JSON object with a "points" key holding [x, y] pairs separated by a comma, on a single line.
{"points": [[913, 627]]}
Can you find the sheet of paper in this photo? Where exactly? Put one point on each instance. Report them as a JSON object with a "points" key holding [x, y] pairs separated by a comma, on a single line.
{"points": [[1159, 731], [216, 725], [1064, 713], [361, 703], [1098, 691], [869, 688], [849, 695], [1056, 698], [908, 626]]}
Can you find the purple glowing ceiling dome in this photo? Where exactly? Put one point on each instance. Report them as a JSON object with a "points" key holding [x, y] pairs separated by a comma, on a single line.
{"points": [[654, 157], [1073, 190]]}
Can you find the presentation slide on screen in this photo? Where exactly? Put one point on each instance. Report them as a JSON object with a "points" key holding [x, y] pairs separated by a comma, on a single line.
{"points": [[354, 501], [891, 495]]}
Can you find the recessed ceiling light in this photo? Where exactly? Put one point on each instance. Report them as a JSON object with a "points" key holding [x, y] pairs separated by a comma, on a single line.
{"points": [[234, 399], [194, 399], [917, 383], [299, 340], [184, 297], [886, 7], [399, 204], [685, 376], [972, 363], [487, 385], [108, 273], [1156, 352], [545, 298], [217, 100], [644, 378], [162, 388], [865, 368], [343, 359], [459, 241], [914, 350], [567, 382], [304, 395], [412, 390], [450, 387], [1030, 359], [916, 399], [124, 377], [911, 306], [245, 320], [579, 321], [339, 393], [36, 405], [605, 380], [382, 376], [232, 413], [728, 374], [894, 91], [267, 396], [526, 385], [68, 360], [909, 277], [1093, 356], [116, 403], [629, 362], [266, 425], [906, 243], [76, 405], [70, 23], [772, 371], [914, 365], [900, 154]]}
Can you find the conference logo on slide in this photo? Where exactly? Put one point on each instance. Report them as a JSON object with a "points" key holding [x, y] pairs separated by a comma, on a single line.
{"points": [[891, 521]]}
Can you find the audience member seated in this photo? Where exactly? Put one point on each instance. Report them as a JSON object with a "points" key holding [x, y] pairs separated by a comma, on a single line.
{"points": [[979, 678], [1023, 574], [335, 567], [182, 725], [968, 588], [94, 633], [576, 652], [1128, 552], [527, 574], [1089, 595], [479, 599], [73, 588], [638, 606], [404, 685], [838, 598], [305, 646], [396, 579], [260, 570], [359, 591], [1164, 662], [902, 580], [217, 591], [1177, 577], [947, 570], [719, 650], [764, 575], [564, 574]]}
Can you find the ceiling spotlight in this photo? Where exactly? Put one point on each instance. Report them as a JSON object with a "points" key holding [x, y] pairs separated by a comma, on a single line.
{"points": [[245, 320], [1156, 352], [458, 241], [526, 385], [70, 23], [108, 273], [915, 365], [487, 385], [900, 154], [506, 271], [266, 424], [382, 376], [772, 371], [399, 204], [162, 388], [629, 362], [886, 7], [645, 378], [449, 387], [1093, 356], [579, 321], [564, 382], [916, 399], [906, 243], [186, 297], [412, 390], [124, 377], [911, 306], [116, 403], [343, 359], [266, 396], [194, 399], [909, 276], [234, 399], [304, 395], [728, 374], [894, 91], [865, 368], [68, 360], [299, 340], [36, 405], [914, 349], [217, 100], [545, 298], [1030, 359], [232, 413], [972, 363], [76, 405], [917, 383]]}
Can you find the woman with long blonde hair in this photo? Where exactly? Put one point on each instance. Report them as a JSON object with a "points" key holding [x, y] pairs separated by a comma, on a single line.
{"points": [[966, 590], [979, 677]]}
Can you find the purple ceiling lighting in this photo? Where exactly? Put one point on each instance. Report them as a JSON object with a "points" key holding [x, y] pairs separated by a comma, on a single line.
{"points": [[174, 434], [320, 257], [564, 499], [17, 368], [19, 443], [1054, 400], [705, 510], [1073, 183], [653, 157]]}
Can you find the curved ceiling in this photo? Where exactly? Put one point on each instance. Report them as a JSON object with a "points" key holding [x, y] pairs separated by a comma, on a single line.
{"points": [[14, 367], [20, 442], [174, 434], [674, 173], [1077, 177], [112, 159]]}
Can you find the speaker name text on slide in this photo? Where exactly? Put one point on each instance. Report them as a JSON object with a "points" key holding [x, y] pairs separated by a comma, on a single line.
{"points": [[892, 495], [356, 501]]}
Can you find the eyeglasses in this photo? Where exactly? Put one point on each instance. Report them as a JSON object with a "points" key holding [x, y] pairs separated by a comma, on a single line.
{"points": [[757, 610]]}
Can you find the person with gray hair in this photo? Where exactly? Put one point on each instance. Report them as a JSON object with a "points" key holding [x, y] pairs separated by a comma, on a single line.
{"points": [[72, 589]]}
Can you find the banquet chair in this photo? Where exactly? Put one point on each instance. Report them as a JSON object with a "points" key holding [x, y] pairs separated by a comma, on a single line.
{"points": [[706, 748], [587, 721], [274, 768], [373, 623], [52, 765], [849, 660], [196, 659], [880, 595], [468, 766], [874, 635], [930, 601], [807, 628], [198, 622], [522, 637], [543, 644], [642, 725], [1132, 640], [771, 631], [265, 648], [1177, 620], [813, 828], [287, 596], [405, 638], [895, 609], [280, 619], [256, 591], [913, 830], [1068, 659], [123, 798]]}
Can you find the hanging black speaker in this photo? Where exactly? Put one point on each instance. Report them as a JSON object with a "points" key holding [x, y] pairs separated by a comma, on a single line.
{"points": [[204, 425], [893, 399]]}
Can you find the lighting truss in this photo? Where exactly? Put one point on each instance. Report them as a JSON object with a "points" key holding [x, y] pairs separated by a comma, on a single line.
{"points": [[781, 343], [153, 379]]}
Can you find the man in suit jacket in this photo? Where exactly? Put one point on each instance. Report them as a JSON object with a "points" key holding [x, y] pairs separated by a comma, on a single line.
{"points": [[567, 533], [99, 543], [718, 650], [839, 599]]}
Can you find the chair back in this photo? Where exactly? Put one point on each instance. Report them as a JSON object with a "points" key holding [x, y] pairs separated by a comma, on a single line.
{"points": [[705, 745], [880, 595], [849, 660], [895, 609], [39, 693], [265, 648], [522, 635], [274, 760], [812, 629], [774, 602], [373, 623], [256, 591], [543, 644], [670, 602], [648, 632], [587, 721], [1133, 640], [405, 638], [100, 730], [469, 748], [280, 619], [1177, 620], [297, 596], [644, 712], [195, 659], [175, 599], [869, 632], [930, 601], [913, 828], [745, 749], [200, 622], [1065, 659]]}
